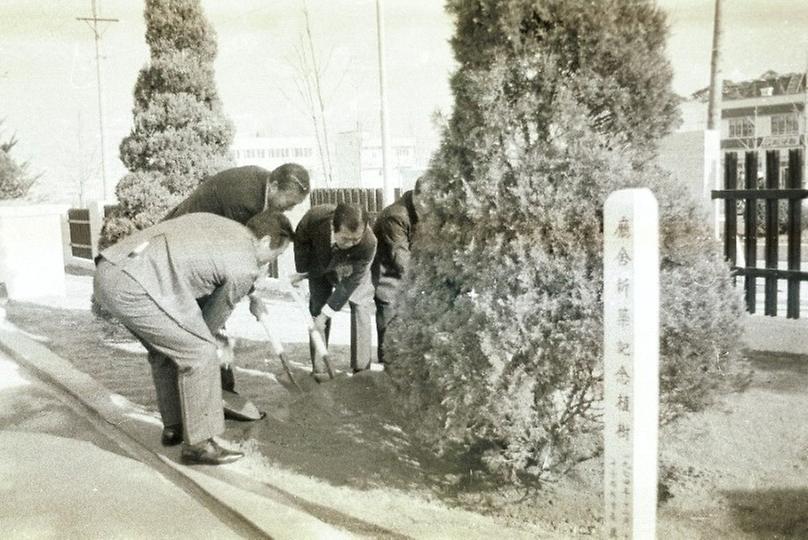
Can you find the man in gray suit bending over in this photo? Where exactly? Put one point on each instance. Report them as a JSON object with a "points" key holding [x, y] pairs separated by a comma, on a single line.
{"points": [[151, 282]]}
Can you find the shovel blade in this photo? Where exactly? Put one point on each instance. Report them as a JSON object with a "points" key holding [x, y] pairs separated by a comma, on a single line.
{"points": [[239, 408]]}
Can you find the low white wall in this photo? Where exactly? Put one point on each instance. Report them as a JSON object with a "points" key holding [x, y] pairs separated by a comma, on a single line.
{"points": [[32, 250]]}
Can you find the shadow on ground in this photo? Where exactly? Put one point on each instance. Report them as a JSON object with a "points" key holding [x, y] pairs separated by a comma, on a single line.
{"points": [[781, 514], [346, 432], [779, 371]]}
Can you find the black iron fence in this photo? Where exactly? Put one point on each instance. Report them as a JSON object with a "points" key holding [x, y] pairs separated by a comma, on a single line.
{"points": [[772, 193]]}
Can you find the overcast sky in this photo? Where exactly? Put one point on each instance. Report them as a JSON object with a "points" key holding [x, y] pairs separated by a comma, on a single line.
{"points": [[48, 85]]}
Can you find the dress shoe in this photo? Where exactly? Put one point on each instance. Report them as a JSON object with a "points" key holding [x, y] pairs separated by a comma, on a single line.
{"points": [[172, 435], [209, 453]]}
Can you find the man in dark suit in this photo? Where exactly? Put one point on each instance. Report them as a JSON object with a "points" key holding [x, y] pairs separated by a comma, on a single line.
{"points": [[239, 194], [334, 247], [394, 230], [243, 192], [152, 280]]}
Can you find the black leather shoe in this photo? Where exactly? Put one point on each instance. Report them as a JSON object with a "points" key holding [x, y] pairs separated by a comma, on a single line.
{"points": [[209, 453], [172, 435]]}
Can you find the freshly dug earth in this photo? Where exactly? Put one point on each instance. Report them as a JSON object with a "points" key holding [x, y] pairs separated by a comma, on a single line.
{"points": [[736, 470]]}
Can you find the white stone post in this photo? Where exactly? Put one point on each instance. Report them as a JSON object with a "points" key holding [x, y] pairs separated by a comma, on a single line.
{"points": [[631, 363]]}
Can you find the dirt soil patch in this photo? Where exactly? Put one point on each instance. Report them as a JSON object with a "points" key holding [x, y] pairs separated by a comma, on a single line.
{"points": [[736, 470]]}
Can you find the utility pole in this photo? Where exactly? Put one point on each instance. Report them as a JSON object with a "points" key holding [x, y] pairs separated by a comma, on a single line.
{"points": [[93, 23], [386, 169], [716, 86]]}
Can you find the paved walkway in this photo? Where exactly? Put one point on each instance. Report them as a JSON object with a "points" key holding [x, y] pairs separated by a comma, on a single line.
{"points": [[62, 478], [80, 462]]}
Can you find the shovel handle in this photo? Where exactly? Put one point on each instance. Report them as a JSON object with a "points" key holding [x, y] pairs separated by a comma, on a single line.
{"points": [[277, 348], [274, 342]]}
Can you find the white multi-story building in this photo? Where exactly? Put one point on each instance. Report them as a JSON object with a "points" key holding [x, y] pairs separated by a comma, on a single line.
{"points": [[767, 113], [272, 152], [356, 158], [358, 161]]}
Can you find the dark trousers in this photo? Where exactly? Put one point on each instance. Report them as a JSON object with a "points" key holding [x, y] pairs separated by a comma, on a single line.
{"points": [[361, 309], [385, 311], [228, 378]]}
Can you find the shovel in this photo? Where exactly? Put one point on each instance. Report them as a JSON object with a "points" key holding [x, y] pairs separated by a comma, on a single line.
{"points": [[314, 333], [235, 406], [277, 347]]}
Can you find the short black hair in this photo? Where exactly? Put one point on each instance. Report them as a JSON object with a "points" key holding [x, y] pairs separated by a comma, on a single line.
{"points": [[291, 176], [273, 224], [350, 216]]}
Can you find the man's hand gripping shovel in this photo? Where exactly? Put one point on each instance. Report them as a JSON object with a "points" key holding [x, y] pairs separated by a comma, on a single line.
{"points": [[317, 337], [259, 310]]}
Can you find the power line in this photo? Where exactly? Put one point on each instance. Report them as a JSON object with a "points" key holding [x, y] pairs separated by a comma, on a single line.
{"points": [[94, 23]]}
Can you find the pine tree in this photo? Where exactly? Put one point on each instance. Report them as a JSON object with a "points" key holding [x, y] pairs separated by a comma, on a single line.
{"points": [[498, 341], [15, 180], [180, 133]]}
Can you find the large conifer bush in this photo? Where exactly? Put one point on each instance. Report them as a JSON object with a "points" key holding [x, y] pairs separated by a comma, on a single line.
{"points": [[180, 133], [499, 335]]}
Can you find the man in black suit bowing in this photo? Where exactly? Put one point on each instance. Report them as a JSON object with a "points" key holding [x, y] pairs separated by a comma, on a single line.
{"points": [[334, 247]]}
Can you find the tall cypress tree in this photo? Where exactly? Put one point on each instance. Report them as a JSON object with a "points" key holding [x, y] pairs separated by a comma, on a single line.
{"points": [[180, 133], [499, 333]]}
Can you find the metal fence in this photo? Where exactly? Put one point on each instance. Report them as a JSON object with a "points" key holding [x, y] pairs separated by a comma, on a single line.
{"points": [[372, 200], [772, 194]]}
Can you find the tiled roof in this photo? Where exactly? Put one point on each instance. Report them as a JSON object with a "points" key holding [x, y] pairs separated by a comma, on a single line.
{"points": [[790, 83]]}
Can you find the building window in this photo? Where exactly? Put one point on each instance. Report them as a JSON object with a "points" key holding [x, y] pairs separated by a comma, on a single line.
{"points": [[741, 127], [785, 124]]}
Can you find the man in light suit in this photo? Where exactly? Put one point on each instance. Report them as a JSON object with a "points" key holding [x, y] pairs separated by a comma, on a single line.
{"points": [[334, 247], [151, 282], [240, 193]]}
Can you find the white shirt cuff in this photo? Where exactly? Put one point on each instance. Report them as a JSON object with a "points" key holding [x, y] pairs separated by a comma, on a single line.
{"points": [[328, 312]]}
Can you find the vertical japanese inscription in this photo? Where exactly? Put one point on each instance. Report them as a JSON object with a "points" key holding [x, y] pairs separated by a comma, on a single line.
{"points": [[631, 397]]}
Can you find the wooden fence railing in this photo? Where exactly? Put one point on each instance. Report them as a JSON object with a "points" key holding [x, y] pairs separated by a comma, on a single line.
{"points": [[78, 221]]}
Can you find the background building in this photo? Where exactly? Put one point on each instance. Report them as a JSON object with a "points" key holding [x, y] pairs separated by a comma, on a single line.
{"points": [[358, 161], [272, 152], [356, 158], [763, 114]]}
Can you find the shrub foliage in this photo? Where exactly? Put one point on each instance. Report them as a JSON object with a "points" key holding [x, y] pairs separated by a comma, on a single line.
{"points": [[15, 180], [180, 133], [499, 334]]}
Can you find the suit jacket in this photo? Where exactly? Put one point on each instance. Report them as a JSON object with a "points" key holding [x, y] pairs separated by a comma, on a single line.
{"points": [[238, 193], [194, 256], [345, 269], [394, 229]]}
